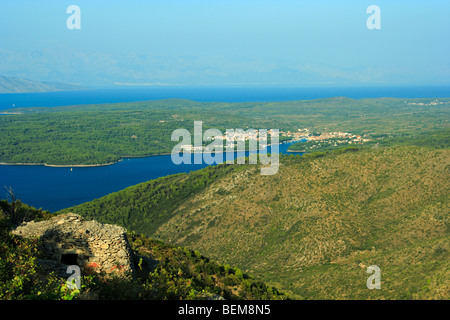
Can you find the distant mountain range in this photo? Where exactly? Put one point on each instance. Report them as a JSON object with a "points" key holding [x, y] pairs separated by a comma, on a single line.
{"points": [[109, 69], [19, 85]]}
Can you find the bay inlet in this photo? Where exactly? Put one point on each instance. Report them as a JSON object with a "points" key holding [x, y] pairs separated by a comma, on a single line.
{"points": [[55, 188]]}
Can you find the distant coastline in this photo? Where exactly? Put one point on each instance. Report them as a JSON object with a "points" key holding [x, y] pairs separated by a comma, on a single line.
{"points": [[114, 162], [58, 165], [213, 94]]}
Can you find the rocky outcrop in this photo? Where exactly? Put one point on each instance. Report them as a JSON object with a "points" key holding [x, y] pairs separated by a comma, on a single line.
{"points": [[70, 240]]}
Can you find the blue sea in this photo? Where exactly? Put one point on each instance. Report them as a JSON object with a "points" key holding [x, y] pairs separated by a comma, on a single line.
{"points": [[53, 188], [213, 94]]}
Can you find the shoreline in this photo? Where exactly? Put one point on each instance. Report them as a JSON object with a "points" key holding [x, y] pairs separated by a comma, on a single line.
{"points": [[111, 163], [58, 165], [295, 150]]}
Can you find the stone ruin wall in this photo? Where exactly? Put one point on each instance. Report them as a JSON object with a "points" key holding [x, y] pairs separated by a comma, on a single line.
{"points": [[70, 240]]}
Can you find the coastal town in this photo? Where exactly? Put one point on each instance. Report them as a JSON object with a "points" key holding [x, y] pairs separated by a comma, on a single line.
{"points": [[431, 103], [310, 140], [327, 140], [304, 134], [232, 137]]}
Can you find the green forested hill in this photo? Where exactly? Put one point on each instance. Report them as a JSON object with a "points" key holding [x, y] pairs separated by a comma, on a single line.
{"points": [[103, 133], [314, 227], [438, 138], [146, 206]]}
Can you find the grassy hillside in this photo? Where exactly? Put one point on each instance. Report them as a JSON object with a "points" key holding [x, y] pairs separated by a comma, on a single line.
{"points": [[315, 227], [162, 271], [146, 206]]}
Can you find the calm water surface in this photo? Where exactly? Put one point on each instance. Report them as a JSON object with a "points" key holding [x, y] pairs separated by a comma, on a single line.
{"points": [[223, 94], [53, 188]]}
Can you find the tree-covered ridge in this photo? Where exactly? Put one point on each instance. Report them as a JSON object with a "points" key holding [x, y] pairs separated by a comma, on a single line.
{"points": [[143, 207], [314, 227], [101, 134], [439, 138], [162, 271]]}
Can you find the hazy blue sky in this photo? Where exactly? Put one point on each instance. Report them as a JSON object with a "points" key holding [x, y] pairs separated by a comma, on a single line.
{"points": [[226, 42]]}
